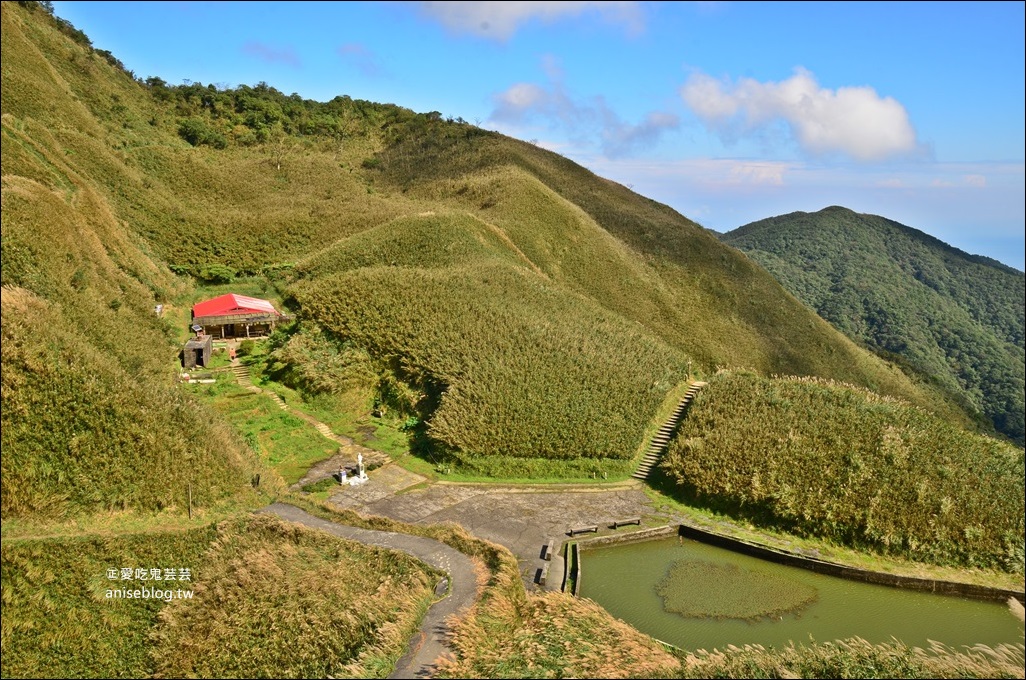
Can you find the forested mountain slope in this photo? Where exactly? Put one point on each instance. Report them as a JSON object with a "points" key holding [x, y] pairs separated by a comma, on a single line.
{"points": [[954, 317]]}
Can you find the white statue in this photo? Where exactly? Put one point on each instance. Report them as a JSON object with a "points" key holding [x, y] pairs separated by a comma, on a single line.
{"points": [[360, 477]]}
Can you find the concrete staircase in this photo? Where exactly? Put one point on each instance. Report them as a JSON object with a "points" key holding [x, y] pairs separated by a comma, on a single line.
{"points": [[657, 447], [242, 376]]}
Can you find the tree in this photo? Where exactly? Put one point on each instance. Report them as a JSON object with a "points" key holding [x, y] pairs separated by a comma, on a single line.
{"points": [[280, 145]]}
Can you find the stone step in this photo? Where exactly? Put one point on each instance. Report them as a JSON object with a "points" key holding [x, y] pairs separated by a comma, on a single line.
{"points": [[661, 439]]}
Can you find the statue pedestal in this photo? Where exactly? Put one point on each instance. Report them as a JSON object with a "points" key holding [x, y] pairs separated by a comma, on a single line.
{"points": [[361, 475]]}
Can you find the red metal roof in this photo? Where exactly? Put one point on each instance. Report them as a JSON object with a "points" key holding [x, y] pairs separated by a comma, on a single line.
{"points": [[231, 303]]}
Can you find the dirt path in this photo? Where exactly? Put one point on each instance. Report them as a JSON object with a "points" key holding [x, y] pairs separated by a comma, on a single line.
{"points": [[348, 449], [430, 643]]}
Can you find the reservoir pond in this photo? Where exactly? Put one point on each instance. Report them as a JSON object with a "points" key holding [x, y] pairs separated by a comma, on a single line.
{"points": [[697, 596]]}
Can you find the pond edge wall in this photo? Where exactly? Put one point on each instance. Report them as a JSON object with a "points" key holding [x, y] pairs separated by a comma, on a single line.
{"points": [[684, 530], [969, 590]]}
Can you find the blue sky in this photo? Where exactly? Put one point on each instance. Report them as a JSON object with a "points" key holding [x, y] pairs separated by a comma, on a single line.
{"points": [[727, 111]]}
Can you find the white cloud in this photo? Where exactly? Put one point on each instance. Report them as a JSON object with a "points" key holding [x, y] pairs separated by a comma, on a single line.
{"points": [[500, 20], [710, 176], [516, 103], [759, 173], [583, 121], [724, 194], [853, 121], [620, 139], [978, 181]]}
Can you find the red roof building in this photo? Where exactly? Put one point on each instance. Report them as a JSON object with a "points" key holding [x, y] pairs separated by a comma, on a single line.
{"points": [[232, 315]]}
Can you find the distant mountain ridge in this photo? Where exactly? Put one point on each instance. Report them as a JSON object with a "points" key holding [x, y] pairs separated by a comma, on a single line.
{"points": [[955, 317]]}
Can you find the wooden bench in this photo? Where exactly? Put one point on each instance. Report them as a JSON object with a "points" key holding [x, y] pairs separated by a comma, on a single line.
{"points": [[624, 522], [550, 548], [580, 530]]}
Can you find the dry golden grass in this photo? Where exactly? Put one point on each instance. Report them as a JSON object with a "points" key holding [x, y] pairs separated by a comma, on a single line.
{"points": [[855, 658], [550, 636], [280, 600]]}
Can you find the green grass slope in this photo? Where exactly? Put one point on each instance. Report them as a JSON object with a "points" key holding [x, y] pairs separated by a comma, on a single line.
{"points": [[674, 277], [57, 621], [844, 464], [518, 304], [90, 420], [510, 363], [583, 305], [954, 317]]}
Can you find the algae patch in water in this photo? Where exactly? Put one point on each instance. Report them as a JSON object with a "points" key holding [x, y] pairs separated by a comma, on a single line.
{"points": [[698, 589]]}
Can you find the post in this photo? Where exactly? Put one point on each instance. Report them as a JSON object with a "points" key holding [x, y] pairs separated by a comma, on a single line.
{"points": [[190, 500]]}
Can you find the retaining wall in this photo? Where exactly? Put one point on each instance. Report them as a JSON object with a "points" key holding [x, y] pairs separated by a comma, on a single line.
{"points": [[969, 590], [632, 537]]}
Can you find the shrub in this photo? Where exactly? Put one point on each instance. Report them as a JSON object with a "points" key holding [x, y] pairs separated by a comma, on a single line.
{"points": [[197, 132], [217, 273], [246, 347]]}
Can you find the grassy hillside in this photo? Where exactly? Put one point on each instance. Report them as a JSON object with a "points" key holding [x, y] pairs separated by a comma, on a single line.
{"points": [[57, 621], [506, 302], [541, 313], [841, 463], [91, 419], [508, 362], [268, 599], [675, 278], [954, 317]]}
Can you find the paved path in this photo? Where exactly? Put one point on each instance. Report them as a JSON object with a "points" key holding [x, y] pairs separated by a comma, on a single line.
{"points": [[429, 644]]}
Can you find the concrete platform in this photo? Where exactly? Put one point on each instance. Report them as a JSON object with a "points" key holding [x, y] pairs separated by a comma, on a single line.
{"points": [[519, 518]]}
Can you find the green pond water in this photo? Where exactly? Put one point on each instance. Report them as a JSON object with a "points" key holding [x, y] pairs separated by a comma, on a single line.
{"points": [[697, 596]]}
